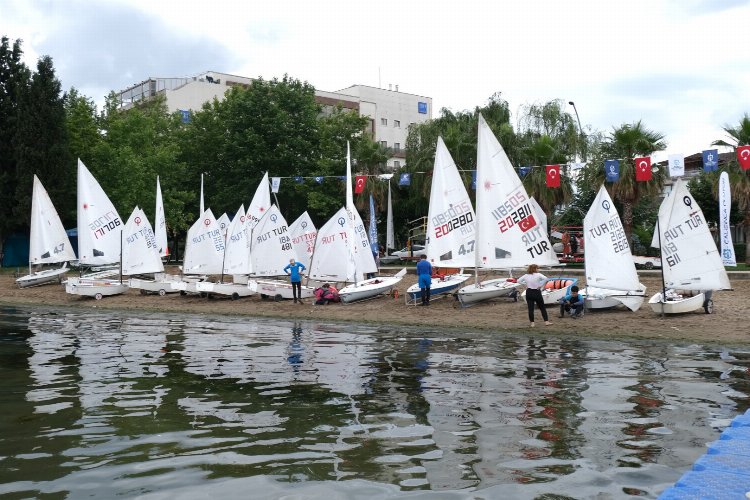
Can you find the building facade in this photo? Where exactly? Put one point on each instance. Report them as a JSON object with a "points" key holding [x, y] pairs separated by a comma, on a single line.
{"points": [[390, 111]]}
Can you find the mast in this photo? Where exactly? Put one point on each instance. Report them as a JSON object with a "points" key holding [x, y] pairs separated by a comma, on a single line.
{"points": [[661, 262]]}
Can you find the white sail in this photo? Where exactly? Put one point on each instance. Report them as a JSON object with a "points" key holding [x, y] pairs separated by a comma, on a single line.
{"points": [[223, 222], [140, 253], [389, 236], [260, 203], [690, 260], [450, 222], [609, 262], [48, 242], [99, 224], [237, 256], [204, 248], [331, 262], [725, 207], [510, 231], [303, 233], [272, 244], [160, 221]]}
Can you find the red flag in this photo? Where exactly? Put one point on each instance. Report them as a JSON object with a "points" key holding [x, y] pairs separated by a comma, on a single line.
{"points": [[359, 183], [553, 176], [643, 169], [743, 156]]}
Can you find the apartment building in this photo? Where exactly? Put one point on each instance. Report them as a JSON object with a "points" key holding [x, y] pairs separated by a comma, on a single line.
{"points": [[390, 111]]}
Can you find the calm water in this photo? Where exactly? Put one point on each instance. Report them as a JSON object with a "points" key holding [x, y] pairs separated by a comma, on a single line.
{"points": [[179, 406]]}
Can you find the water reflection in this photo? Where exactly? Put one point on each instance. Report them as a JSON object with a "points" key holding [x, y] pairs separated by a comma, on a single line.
{"points": [[116, 404]]}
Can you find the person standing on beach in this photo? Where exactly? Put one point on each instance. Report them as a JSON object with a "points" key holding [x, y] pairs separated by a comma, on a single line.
{"points": [[294, 270], [424, 271], [534, 281]]}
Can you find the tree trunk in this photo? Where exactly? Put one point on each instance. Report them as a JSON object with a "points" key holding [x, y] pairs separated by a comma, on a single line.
{"points": [[627, 222], [746, 230]]}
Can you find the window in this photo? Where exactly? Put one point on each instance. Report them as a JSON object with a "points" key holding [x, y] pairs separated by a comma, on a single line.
{"points": [[397, 146], [384, 144], [384, 121], [396, 164], [396, 124]]}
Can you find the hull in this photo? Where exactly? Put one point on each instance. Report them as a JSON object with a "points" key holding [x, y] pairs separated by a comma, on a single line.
{"points": [[438, 287], [163, 284], [233, 290], [368, 289], [279, 290], [605, 298], [42, 277], [486, 290], [676, 304], [555, 289], [95, 288]]}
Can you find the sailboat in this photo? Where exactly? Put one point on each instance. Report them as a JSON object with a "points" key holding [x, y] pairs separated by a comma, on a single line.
{"points": [[99, 238], [611, 278], [234, 261], [303, 233], [271, 251], [48, 243], [342, 252], [162, 283], [691, 264], [204, 252], [360, 253], [508, 232], [140, 252], [450, 226]]}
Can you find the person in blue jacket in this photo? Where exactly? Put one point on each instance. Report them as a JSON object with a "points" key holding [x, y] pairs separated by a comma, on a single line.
{"points": [[424, 271], [294, 270], [572, 303]]}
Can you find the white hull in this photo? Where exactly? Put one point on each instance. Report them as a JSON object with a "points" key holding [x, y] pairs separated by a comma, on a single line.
{"points": [[369, 288], [486, 290], [605, 298], [44, 277], [676, 305], [438, 286], [280, 290], [233, 290], [95, 288], [552, 296], [162, 284]]}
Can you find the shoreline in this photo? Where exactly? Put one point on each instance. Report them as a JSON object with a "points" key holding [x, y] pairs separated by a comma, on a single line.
{"points": [[732, 308]]}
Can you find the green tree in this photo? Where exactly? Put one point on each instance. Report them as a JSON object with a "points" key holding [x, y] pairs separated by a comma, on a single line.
{"points": [[41, 145], [14, 77], [625, 143], [739, 180], [138, 145]]}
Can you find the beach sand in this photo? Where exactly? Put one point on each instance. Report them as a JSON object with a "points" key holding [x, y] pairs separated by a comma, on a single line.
{"points": [[728, 324]]}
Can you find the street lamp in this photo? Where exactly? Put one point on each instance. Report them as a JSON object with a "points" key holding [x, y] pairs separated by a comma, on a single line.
{"points": [[580, 130]]}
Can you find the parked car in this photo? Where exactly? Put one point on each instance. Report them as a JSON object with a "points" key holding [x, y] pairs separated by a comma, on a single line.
{"points": [[647, 262], [406, 253]]}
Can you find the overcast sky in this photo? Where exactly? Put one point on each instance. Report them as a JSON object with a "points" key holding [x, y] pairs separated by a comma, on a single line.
{"points": [[681, 66]]}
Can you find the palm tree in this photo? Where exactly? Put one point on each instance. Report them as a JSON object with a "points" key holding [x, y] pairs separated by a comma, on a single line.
{"points": [[545, 150], [371, 158], [739, 179], [625, 143]]}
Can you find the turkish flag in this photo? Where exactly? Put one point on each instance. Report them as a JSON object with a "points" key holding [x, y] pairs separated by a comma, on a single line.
{"points": [[359, 183], [553, 176], [526, 223], [743, 156], [643, 169]]}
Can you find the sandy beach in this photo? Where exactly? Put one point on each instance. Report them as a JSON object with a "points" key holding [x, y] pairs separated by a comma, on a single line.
{"points": [[728, 324]]}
